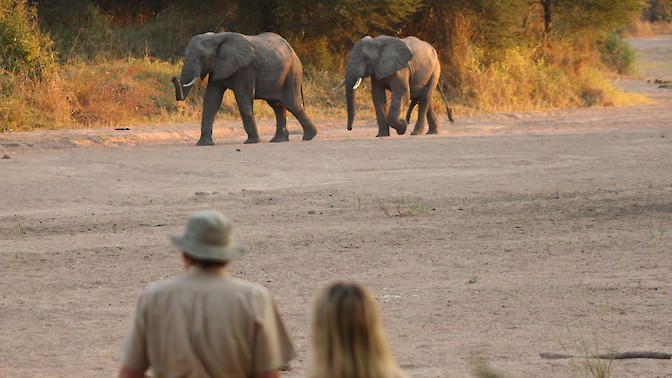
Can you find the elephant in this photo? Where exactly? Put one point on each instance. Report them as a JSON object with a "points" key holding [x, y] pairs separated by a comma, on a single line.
{"points": [[254, 67], [408, 68]]}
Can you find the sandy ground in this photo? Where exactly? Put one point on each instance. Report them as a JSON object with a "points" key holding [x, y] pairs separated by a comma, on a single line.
{"points": [[505, 236]]}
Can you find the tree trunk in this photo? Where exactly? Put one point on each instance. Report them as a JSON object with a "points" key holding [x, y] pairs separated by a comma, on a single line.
{"points": [[548, 21]]}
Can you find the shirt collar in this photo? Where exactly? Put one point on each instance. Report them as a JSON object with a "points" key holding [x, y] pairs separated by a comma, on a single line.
{"points": [[196, 270]]}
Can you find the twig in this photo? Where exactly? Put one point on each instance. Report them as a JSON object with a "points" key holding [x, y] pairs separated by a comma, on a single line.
{"points": [[611, 356]]}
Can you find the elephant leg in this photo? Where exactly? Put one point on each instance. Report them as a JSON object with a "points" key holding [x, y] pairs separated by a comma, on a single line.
{"points": [[246, 109], [379, 98], [211, 102], [281, 133], [309, 129], [400, 96], [433, 121], [423, 107]]}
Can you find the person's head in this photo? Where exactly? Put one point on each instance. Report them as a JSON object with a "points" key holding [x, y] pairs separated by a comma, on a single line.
{"points": [[347, 335], [207, 240]]}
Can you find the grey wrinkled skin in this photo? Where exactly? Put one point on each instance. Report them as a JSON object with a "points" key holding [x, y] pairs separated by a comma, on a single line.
{"points": [[254, 67], [407, 68]]}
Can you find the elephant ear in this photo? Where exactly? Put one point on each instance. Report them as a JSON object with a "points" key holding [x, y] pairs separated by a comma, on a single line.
{"points": [[234, 51], [394, 56]]}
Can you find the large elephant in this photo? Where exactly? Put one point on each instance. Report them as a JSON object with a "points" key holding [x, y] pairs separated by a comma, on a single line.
{"points": [[409, 68], [253, 67]]}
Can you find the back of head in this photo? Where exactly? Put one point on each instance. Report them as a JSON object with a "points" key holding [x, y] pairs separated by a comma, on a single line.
{"points": [[347, 335]]}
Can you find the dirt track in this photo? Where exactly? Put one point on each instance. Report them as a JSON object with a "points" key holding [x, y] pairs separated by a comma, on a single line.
{"points": [[505, 236]]}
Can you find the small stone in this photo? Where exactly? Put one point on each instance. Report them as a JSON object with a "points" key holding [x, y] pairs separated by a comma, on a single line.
{"points": [[5, 156]]}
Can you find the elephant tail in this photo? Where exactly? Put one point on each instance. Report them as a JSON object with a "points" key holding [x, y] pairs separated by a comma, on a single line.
{"points": [[449, 111], [410, 110], [303, 102]]}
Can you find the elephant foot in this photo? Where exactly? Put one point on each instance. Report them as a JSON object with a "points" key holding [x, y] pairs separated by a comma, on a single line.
{"points": [[280, 138], [205, 142], [309, 134], [430, 131], [401, 127], [418, 131], [380, 135], [251, 140]]}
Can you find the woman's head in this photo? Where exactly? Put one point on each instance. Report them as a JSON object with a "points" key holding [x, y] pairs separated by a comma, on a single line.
{"points": [[347, 334]]}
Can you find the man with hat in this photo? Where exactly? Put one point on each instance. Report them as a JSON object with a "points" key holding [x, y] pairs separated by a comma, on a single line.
{"points": [[205, 323]]}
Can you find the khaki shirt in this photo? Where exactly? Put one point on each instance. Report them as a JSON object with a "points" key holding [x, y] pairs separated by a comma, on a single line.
{"points": [[206, 324]]}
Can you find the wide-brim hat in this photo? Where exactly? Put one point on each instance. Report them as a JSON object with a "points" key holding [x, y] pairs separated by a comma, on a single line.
{"points": [[207, 236]]}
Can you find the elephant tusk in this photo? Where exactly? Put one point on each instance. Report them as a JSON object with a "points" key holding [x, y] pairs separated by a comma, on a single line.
{"points": [[339, 85], [189, 84], [359, 81]]}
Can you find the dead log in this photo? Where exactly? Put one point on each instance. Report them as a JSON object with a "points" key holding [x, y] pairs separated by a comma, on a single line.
{"points": [[611, 356]]}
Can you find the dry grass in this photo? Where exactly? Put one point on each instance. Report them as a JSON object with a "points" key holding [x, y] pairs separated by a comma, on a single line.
{"points": [[106, 93], [540, 77], [640, 28], [550, 74]]}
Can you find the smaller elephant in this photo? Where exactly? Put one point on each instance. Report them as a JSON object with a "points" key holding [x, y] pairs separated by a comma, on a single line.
{"points": [[254, 67], [407, 68]]}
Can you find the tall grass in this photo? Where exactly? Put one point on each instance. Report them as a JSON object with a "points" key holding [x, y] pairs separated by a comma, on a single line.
{"points": [[535, 78], [641, 28], [81, 94]]}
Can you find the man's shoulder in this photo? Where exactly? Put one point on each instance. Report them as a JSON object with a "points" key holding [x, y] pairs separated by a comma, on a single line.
{"points": [[186, 282], [247, 286], [162, 285]]}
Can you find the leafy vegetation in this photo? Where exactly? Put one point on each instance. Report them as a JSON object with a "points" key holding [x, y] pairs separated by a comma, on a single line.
{"points": [[402, 209], [70, 63], [24, 50]]}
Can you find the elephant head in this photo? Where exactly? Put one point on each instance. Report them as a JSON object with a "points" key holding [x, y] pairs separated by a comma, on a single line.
{"points": [[379, 57], [216, 54]]}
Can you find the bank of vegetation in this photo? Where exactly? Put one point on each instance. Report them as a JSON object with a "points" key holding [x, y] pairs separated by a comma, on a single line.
{"points": [[88, 63]]}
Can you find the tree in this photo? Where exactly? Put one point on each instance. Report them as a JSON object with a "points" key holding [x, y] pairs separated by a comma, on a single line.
{"points": [[658, 10], [576, 17], [343, 21], [493, 22]]}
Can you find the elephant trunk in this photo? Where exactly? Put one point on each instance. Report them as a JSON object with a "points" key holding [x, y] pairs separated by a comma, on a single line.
{"points": [[187, 76], [352, 81], [182, 90], [179, 90], [350, 101]]}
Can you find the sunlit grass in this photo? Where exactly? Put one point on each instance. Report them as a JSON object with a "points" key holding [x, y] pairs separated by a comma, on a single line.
{"points": [[126, 91]]}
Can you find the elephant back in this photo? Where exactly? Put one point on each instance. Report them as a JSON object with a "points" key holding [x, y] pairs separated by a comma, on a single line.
{"points": [[425, 61], [271, 45]]}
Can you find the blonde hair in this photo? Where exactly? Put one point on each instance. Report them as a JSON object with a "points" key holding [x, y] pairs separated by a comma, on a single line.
{"points": [[347, 335]]}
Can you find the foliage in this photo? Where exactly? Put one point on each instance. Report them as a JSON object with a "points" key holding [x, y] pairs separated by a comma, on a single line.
{"points": [[84, 30], [24, 49], [658, 11], [593, 17], [617, 54], [494, 23], [116, 57]]}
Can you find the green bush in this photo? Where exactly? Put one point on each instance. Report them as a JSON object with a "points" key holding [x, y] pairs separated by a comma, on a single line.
{"points": [[24, 49], [617, 54]]}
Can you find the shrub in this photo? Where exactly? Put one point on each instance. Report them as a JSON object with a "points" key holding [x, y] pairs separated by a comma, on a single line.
{"points": [[617, 54], [24, 49]]}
